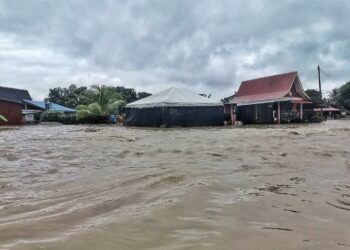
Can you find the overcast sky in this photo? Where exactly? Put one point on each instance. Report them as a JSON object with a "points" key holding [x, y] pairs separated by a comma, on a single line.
{"points": [[209, 46]]}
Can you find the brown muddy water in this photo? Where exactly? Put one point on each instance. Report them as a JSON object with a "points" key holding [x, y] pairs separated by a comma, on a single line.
{"points": [[110, 187]]}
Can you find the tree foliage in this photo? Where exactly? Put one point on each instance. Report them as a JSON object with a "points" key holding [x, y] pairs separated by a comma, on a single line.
{"points": [[74, 96], [315, 96], [128, 94], [97, 100], [107, 101], [141, 95], [71, 96], [116, 107], [341, 96]]}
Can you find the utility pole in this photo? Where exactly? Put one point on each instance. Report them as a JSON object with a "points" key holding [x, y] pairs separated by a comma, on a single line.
{"points": [[319, 85], [319, 79]]}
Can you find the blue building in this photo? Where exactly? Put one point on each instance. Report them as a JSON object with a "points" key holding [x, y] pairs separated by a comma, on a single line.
{"points": [[33, 110]]}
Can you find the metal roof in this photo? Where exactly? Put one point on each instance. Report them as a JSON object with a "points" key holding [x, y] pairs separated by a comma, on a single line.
{"points": [[328, 109], [269, 89], [14, 95], [174, 97], [52, 106]]}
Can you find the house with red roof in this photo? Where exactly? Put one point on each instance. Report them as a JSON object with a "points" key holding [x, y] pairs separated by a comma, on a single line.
{"points": [[272, 99]]}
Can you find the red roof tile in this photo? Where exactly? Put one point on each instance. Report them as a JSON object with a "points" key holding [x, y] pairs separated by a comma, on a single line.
{"points": [[267, 88]]}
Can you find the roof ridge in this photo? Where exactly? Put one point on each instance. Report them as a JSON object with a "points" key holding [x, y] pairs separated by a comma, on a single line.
{"points": [[13, 88], [264, 77], [273, 91]]}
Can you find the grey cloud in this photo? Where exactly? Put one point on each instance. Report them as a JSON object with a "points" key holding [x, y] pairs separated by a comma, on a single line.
{"points": [[149, 45]]}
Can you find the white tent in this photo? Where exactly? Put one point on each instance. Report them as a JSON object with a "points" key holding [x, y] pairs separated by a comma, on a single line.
{"points": [[175, 107], [174, 97]]}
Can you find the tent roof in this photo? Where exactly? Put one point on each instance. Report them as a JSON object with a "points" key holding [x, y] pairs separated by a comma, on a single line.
{"points": [[174, 97]]}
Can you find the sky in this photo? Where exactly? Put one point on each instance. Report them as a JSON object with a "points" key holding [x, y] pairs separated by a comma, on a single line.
{"points": [[208, 46]]}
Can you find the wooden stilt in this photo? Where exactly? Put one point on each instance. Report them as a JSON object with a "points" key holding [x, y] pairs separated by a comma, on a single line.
{"points": [[301, 111], [234, 115], [231, 112], [278, 112]]}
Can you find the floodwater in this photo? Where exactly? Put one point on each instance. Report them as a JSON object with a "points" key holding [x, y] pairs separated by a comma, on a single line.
{"points": [[110, 187]]}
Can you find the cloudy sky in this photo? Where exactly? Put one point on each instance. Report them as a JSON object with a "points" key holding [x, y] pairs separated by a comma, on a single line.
{"points": [[209, 46]]}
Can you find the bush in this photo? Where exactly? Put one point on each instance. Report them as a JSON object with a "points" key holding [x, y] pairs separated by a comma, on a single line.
{"points": [[81, 117], [54, 116], [68, 120], [311, 116], [93, 119]]}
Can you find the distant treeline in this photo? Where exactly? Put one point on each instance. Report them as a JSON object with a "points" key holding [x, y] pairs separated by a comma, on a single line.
{"points": [[74, 96], [339, 97], [94, 104]]}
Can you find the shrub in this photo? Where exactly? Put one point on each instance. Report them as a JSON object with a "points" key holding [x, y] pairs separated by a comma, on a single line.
{"points": [[93, 119]]}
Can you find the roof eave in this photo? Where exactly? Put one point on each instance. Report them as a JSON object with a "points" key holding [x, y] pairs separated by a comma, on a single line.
{"points": [[272, 100], [30, 102]]}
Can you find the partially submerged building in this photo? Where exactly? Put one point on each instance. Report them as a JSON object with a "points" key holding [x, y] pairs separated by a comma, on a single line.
{"points": [[11, 106], [174, 107], [33, 110], [17, 106], [329, 112], [12, 111], [273, 99]]}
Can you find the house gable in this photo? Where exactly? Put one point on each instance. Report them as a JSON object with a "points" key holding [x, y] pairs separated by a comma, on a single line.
{"points": [[297, 90], [14, 95], [270, 89]]}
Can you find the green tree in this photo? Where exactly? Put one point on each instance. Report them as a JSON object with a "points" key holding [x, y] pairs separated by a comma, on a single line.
{"points": [[102, 98], [141, 95], [116, 107], [57, 95], [71, 96], [316, 98], [128, 94], [107, 101], [344, 96], [334, 97]]}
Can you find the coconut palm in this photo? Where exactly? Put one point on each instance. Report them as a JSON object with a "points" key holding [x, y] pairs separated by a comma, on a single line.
{"points": [[108, 101], [116, 107], [2, 118]]}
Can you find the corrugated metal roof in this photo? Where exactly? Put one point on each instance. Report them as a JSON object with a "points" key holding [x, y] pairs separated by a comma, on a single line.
{"points": [[14, 95], [328, 109], [270, 88], [52, 106]]}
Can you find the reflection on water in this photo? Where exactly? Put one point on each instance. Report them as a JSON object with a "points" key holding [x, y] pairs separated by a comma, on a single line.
{"points": [[110, 187]]}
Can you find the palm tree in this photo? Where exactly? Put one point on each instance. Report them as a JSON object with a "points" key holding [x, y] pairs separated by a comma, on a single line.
{"points": [[102, 98], [108, 101], [2, 118]]}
